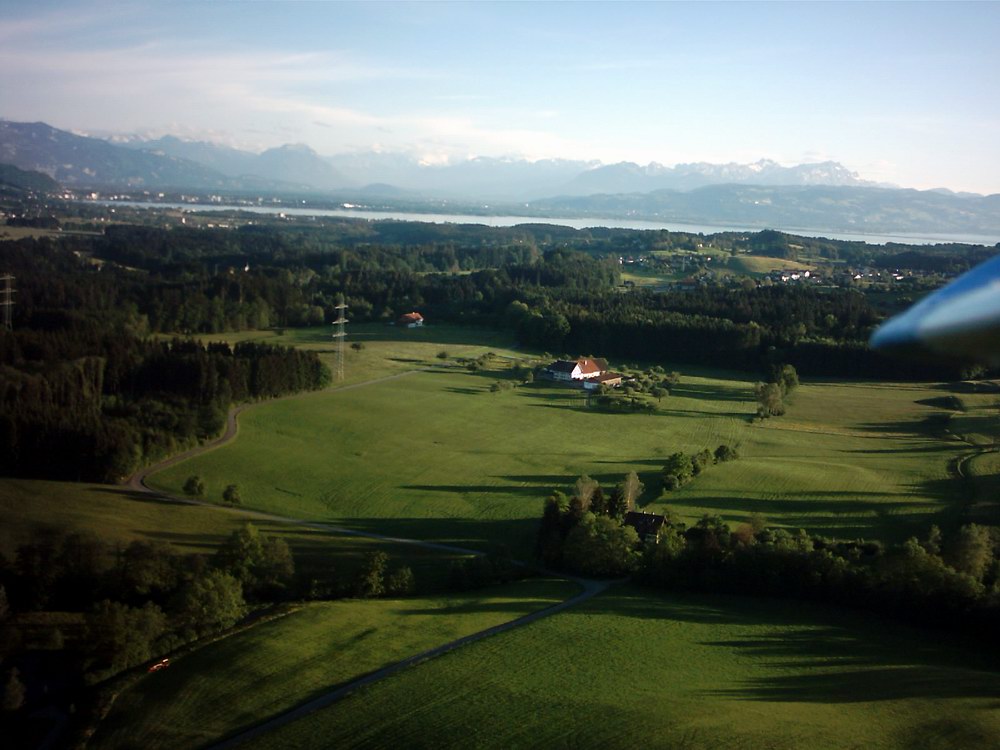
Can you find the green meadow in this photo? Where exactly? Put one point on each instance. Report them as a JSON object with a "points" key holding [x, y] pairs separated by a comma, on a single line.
{"points": [[117, 515], [758, 265], [386, 350], [435, 455], [239, 681], [633, 669]]}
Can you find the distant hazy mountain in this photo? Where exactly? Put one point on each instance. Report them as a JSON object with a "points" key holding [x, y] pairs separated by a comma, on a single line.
{"points": [[229, 161], [169, 163], [823, 196], [482, 178], [24, 179], [842, 208], [627, 177], [79, 161], [293, 164], [297, 163]]}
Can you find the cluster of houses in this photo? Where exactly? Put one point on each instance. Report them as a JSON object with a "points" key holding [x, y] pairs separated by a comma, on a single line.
{"points": [[589, 372]]}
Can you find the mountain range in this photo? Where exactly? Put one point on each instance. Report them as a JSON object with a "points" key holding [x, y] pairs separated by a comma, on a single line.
{"points": [[823, 195]]}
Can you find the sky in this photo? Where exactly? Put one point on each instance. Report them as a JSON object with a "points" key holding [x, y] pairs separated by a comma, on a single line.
{"points": [[900, 92]]}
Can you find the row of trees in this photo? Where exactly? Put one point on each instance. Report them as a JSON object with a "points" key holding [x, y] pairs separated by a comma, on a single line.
{"points": [[680, 468], [953, 580], [140, 599], [949, 580]]}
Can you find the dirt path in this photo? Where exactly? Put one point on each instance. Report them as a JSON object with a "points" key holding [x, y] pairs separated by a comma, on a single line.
{"points": [[590, 589], [137, 482]]}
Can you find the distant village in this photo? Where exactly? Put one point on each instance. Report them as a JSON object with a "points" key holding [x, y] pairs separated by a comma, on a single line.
{"points": [[700, 275]]}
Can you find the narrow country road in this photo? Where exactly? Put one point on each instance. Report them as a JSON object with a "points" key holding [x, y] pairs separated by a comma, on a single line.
{"points": [[590, 589], [137, 482]]}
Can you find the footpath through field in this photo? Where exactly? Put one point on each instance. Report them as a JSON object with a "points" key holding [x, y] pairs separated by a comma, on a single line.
{"points": [[137, 482], [590, 589]]}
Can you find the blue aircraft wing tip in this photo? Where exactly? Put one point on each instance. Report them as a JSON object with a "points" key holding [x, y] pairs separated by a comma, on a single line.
{"points": [[938, 323]]}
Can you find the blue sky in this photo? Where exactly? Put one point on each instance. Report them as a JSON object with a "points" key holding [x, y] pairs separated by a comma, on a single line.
{"points": [[900, 92]]}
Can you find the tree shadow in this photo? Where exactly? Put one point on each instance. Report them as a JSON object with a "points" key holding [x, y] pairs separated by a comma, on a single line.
{"points": [[464, 489], [969, 386], [141, 497], [711, 392], [841, 666]]}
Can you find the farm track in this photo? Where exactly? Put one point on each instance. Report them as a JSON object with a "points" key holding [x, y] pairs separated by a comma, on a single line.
{"points": [[137, 482], [590, 589]]}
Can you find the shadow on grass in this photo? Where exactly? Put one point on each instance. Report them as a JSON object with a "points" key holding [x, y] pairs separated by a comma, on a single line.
{"points": [[841, 666], [139, 497], [930, 426], [443, 335], [708, 392], [835, 656], [969, 386]]}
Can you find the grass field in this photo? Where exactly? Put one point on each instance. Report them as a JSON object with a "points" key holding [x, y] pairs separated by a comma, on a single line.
{"points": [[631, 669], [435, 455], [118, 515], [758, 265], [244, 679], [388, 350]]}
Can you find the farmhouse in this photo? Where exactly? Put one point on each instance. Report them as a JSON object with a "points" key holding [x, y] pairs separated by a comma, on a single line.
{"points": [[410, 320], [580, 369], [646, 525]]}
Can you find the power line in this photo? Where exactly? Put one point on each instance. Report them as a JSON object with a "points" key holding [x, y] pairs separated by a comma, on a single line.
{"points": [[7, 301], [340, 334]]}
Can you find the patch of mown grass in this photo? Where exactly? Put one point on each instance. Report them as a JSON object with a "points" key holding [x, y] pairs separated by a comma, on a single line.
{"points": [[246, 678], [631, 668]]}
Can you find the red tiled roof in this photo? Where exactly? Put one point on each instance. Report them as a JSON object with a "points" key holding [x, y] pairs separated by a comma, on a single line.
{"points": [[588, 365]]}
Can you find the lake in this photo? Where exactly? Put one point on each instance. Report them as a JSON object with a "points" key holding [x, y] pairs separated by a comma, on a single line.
{"points": [[575, 223]]}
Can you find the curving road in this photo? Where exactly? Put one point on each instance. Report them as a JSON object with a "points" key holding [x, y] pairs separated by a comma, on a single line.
{"points": [[137, 482]]}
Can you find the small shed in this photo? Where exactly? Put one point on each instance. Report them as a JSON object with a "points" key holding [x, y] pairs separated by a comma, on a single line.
{"points": [[610, 379]]}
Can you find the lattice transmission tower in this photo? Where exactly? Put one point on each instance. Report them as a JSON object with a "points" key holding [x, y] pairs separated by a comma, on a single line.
{"points": [[340, 334], [7, 301]]}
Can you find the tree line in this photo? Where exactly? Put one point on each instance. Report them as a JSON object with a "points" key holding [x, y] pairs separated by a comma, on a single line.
{"points": [[940, 580], [76, 611], [87, 403], [555, 290]]}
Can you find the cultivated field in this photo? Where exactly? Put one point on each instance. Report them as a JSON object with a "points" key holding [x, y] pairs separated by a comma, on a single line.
{"points": [[758, 265], [436, 455], [631, 669], [240, 681]]}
